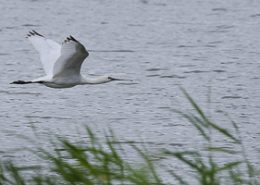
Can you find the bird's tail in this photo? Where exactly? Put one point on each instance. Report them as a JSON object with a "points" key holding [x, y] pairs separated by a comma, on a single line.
{"points": [[21, 82]]}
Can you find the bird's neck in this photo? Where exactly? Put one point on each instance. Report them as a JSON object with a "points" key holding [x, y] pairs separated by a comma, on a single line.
{"points": [[96, 80]]}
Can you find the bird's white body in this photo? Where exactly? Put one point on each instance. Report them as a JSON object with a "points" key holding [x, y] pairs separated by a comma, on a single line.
{"points": [[61, 63], [70, 81]]}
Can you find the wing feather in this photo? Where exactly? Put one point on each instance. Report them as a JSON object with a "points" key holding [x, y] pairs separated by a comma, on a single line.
{"points": [[73, 53], [49, 50]]}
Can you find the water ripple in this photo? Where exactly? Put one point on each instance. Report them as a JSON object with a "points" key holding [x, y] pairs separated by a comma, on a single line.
{"points": [[173, 76], [196, 71], [219, 9], [156, 69], [218, 70], [19, 93], [232, 97], [255, 15], [3, 54]]}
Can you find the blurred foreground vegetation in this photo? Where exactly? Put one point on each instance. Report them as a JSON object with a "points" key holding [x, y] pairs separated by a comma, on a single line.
{"points": [[103, 162]]}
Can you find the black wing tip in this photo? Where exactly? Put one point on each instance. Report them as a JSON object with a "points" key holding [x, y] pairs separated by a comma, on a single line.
{"points": [[70, 38], [33, 33], [37, 33]]}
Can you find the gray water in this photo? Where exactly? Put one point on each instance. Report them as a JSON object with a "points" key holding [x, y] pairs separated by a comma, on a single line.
{"points": [[210, 48]]}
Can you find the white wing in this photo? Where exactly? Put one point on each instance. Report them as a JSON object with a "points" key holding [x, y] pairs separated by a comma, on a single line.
{"points": [[72, 56], [49, 50]]}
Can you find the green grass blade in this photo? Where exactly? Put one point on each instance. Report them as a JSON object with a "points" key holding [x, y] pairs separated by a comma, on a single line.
{"points": [[150, 164], [206, 120], [230, 165], [221, 150], [178, 178]]}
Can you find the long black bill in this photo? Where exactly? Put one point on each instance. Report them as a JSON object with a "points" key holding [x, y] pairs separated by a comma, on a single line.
{"points": [[117, 79]]}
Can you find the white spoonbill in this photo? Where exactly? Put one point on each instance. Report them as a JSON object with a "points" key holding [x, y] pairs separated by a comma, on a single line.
{"points": [[61, 63]]}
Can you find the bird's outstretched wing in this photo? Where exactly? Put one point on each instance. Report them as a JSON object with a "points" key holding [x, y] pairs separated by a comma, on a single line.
{"points": [[72, 56], [49, 50]]}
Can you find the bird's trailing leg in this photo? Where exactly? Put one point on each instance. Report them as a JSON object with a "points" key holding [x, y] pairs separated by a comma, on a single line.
{"points": [[21, 82], [26, 82]]}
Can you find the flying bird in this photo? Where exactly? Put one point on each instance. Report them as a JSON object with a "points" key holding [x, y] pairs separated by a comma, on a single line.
{"points": [[61, 63]]}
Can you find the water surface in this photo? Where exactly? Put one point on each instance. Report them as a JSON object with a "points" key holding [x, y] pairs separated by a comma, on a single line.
{"points": [[211, 48]]}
